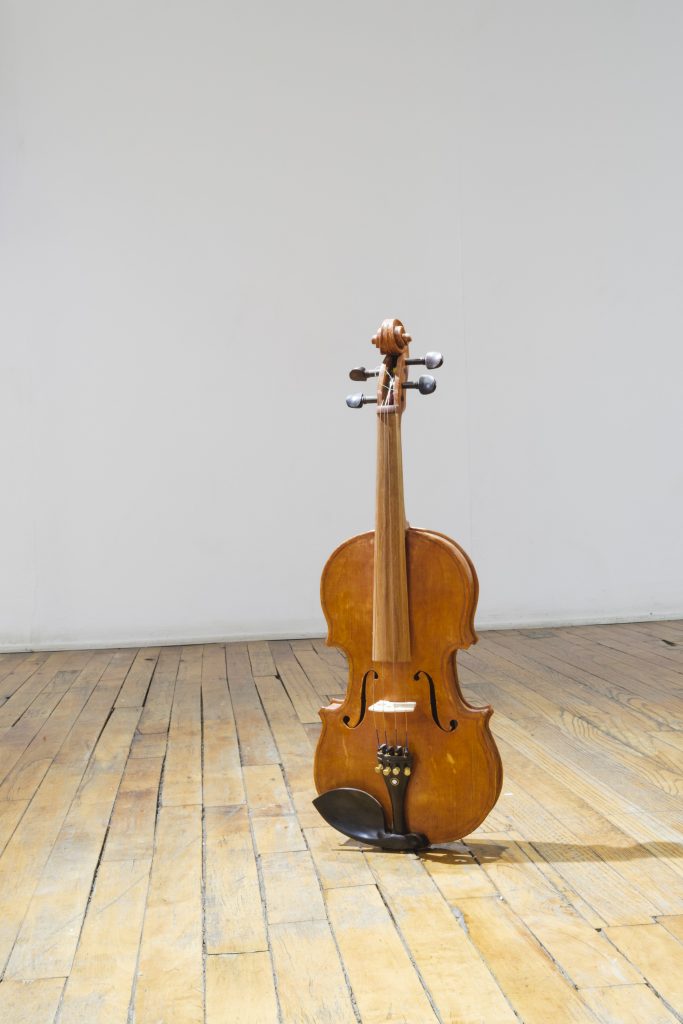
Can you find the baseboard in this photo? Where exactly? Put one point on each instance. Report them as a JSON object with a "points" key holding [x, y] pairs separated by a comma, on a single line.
{"points": [[182, 639]]}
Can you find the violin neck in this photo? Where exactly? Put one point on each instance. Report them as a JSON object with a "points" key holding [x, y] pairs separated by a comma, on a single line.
{"points": [[390, 620]]}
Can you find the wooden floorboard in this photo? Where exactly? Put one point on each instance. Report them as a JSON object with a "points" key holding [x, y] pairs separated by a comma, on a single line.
{"points": [[160, 859]]}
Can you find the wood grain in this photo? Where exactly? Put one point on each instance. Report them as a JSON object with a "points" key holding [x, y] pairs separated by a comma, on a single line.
{"points": [[566, 905], [240, 990], [170, 984], [390, 601], [310, 981], [233, 912], [456, 773], [101, 980]]}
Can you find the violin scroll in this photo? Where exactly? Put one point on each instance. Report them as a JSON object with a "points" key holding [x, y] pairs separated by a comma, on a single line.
{"points": [[392, 340]]}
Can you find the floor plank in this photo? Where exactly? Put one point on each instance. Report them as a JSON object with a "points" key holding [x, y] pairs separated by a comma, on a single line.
{"points": [[49, 934], [183, 766], [100, 983], [385, 984], [627, 1004], [310, 981], [30, 1002], [170, 984], [255, 739], [240, 989], [462, 988], [234, 918], [222, 772], [655, 952], [526, 973]]}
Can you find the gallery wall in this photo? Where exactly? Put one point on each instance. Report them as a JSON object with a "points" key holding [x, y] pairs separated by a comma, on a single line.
{"points": [[208, 208]]}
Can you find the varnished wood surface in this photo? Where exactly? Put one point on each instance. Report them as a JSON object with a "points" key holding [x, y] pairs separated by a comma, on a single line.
{"points": [[390, 604], [160, 860], [456, 773]]}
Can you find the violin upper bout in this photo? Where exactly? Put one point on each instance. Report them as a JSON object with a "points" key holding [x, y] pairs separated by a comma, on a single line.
{"points": [[444, 589], [443, 592], [346, 593]]}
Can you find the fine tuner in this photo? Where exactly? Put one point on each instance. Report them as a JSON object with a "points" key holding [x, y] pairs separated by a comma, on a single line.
{"points": [[425, 384]]}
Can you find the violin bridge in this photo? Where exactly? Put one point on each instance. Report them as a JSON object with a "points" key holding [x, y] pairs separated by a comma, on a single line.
{"points": [[389, 707]]}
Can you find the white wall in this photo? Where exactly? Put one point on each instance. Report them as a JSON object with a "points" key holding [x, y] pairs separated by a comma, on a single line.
{"points": [[208, 208]]}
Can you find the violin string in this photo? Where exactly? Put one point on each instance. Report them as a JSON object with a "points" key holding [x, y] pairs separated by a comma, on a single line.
{"points": [[395, 512], [387, 442], [387, 523], [395, 428], [405, 680], [400, 538], [390, 426], [404, 540], [397, 534], [387, 430], [381, 426], [378, 371]]}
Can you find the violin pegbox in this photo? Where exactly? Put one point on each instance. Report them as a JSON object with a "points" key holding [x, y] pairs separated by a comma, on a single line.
{"points": [[393, 340]]}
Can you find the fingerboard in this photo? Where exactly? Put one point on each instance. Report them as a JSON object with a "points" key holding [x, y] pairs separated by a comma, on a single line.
{"points": [[390, 620]]}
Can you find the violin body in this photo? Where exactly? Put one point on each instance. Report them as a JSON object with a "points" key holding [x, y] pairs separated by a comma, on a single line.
{"points": [[457, 774], [403, 760]]}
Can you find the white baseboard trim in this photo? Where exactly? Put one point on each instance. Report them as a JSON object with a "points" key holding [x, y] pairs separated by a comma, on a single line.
{"points": [[222, 638]]}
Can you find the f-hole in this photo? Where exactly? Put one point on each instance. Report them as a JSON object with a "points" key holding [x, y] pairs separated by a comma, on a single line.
{"points": [[363, 701], [452, 725]]}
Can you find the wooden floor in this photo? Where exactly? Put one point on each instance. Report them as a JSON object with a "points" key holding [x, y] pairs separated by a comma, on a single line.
{"points": [[161, 862]]}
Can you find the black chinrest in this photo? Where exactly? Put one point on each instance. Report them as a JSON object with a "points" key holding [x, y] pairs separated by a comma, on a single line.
{"points": [[359, 816]]}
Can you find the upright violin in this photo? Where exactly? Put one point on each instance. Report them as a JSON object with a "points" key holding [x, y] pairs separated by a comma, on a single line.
{"points": [[403, 760]]}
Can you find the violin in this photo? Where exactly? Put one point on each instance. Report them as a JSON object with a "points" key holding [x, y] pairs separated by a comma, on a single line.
{"points": [[403, 761]]}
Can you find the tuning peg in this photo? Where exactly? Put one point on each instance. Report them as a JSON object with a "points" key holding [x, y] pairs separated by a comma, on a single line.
{"points": [[424, 384], [357, 401], [360, 373], [433, 360]]}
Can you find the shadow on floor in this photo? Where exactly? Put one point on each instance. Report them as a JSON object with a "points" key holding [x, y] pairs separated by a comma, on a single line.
{"points": [[488, 851]]}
